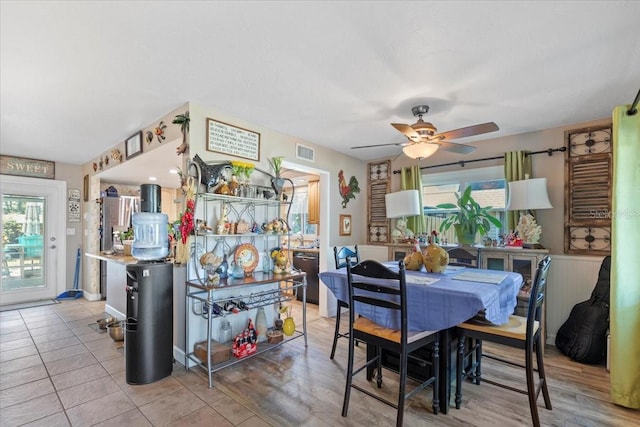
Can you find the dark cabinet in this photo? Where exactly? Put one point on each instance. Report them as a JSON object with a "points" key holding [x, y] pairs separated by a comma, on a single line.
{"points": [[309, 262]]}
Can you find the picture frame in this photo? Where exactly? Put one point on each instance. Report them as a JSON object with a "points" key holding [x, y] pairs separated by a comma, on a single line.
{"points": [[345, 225], [232, 140], [85, 188], [133, 145]]}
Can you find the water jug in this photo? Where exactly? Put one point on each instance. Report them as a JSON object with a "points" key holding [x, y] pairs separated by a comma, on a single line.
{"points": [[151, 237]]}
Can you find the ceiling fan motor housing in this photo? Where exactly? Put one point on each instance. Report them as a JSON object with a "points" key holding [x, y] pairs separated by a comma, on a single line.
{"points": [[420, 110]]}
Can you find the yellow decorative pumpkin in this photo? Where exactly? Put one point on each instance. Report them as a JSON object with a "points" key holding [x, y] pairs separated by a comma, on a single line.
{"points": [[435, 258], [413, 261], [289, 326]]}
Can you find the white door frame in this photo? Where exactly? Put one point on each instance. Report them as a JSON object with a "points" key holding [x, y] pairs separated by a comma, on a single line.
{"points": [[327, 303], [55, 240]]}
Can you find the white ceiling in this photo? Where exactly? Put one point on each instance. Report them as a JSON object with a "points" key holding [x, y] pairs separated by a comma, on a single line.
{"points": [[77, 77]]}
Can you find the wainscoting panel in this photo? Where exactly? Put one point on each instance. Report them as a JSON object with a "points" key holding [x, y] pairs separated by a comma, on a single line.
{"points": [[374, 252], [571, 280]]}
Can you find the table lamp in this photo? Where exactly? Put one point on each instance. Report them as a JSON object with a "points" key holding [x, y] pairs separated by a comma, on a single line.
{"points": [[527, 195], [400, 205]]}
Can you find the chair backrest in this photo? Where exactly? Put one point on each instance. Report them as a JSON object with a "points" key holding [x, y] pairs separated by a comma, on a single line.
{"points": [[463, 257], [341, 255], [538, 292], [378, 295]]}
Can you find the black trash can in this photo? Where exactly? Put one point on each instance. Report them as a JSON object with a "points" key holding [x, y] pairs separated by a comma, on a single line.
{"points": [[148, 342]]}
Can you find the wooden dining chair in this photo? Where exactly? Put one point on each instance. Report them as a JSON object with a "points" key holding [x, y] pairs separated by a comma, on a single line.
{"points": [[520, 332], [391, 296], [340, 256]]}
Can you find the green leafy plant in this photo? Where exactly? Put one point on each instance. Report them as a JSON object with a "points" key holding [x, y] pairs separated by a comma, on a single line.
{"points": [[470, 216], [276, 165], [11, 230], [126, 235]]}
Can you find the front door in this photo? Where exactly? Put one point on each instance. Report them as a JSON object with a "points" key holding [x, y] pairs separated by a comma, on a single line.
{"points": [[31, 246]]}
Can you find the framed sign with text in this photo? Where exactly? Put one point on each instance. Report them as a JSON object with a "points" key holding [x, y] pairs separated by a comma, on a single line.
{"points": [[73, 205], [21, 166], [232, 140]]}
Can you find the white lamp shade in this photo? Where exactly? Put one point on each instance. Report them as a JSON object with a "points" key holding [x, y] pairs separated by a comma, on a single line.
{"points": [[528, 194], [403, 203], [420, 150]]}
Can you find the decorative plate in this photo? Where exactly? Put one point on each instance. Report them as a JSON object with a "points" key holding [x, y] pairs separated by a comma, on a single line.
{"points": [[247, 257]]}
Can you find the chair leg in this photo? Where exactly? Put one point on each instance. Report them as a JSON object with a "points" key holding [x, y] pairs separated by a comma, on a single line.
{"points": [[337, 332], [459, 369], [347, 388], [379, 366], [401, 391], [478, 366], [435, 364], [531, 387], [541, 374]]}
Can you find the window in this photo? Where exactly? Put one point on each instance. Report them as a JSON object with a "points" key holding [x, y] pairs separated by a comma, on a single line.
{"points": [[298, 216], [488, 189]]}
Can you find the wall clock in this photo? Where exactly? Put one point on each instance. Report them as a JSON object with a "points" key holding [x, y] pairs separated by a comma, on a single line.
{"points": [[247, 258]]}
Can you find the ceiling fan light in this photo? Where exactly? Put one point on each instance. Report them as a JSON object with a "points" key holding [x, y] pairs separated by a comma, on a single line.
{"points": [[424, 128], [420, 151]]}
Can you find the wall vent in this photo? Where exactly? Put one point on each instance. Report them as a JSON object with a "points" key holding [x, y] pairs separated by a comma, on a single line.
{"points": [[306, 153]]}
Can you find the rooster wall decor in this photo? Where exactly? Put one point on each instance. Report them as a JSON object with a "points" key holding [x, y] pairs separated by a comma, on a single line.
{"points": [[347, 191]]}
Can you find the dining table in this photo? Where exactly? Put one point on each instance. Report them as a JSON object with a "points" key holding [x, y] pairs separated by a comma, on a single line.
{"points": [[439, 302]]}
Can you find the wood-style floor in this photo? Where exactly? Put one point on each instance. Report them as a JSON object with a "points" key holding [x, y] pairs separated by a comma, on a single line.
{"points": [[57, 370]]}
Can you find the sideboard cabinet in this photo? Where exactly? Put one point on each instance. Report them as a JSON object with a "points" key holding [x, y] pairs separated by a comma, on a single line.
{"points": [[518, 260]]}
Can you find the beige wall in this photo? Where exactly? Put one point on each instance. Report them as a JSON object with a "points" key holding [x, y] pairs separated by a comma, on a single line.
{"points": [[273, 143], [72, 174], [552, 168]]}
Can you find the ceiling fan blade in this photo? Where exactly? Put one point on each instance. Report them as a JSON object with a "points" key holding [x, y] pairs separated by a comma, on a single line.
{"points": [[397, 144], [468, 131], [407, 131], [456, 148]]}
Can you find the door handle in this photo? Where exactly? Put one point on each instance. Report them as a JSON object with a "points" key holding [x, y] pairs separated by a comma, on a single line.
{"points": [[52, 246]]}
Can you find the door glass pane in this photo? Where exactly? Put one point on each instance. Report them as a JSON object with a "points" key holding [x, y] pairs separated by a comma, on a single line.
{"points": [[524, 267], [496, 264], [22, 242]]}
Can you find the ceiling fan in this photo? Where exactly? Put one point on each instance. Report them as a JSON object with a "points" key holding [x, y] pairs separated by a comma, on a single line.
{"points": [[423, 140]]}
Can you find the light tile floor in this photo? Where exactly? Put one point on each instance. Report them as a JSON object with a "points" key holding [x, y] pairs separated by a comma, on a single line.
{"points": [[58, 369]]}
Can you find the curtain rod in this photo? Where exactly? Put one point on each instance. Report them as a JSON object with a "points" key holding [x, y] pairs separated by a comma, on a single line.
{"points": [[633, 110], [549, 151]]}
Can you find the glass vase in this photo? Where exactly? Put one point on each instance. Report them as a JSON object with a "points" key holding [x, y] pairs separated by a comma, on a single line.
{"points": [[261, 324]]}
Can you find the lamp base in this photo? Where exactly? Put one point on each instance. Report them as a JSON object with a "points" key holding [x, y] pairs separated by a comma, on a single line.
{"points": [[526, 245]]}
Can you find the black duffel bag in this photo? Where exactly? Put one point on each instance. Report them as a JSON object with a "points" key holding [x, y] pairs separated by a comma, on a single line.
{"points": [[583, 337]]}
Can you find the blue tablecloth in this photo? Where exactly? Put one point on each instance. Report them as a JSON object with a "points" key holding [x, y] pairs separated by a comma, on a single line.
{"points": [[443, 303]]}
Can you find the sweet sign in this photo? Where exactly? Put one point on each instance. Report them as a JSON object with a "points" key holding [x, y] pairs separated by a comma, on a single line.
{"points": [[21, 166], [228, 139]]}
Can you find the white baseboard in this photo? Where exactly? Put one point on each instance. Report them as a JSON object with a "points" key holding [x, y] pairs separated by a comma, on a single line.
{"points": [[115, 313], [91, 297], [178, 355]]}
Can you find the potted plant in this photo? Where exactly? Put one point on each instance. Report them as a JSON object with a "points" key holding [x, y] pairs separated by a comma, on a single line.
{"points": [[470, 218], [277, 182]]}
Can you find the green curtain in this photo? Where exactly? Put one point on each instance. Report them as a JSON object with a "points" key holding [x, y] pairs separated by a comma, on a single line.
{"points": [[517, 166], [625, 271], [411, 179]]}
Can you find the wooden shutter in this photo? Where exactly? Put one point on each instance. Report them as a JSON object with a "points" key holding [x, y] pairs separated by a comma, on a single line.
{"points": [[588, 165], [379, 184]]}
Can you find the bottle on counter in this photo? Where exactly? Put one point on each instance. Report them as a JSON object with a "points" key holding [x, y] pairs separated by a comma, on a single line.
{"points": [[225, 331]]}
